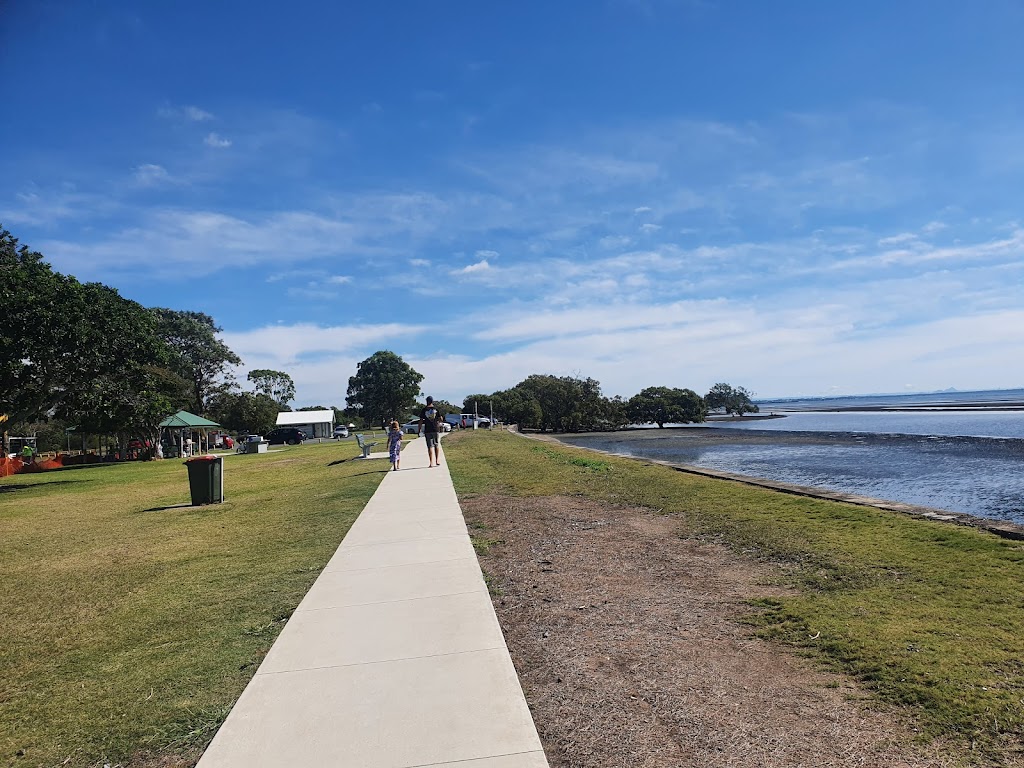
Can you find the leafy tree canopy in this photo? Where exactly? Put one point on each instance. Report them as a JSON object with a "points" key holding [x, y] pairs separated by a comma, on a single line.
{"points": [[566, 403], [78, 351], [445, 407], [197, 354], [665, 405], [731, 399], [276, 384], [481, 403], [245, 412], [383, 388], [517, 406]]}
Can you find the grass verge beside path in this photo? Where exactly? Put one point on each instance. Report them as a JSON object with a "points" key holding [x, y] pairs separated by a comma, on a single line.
{"points": [[928, 616], [131, 621]]}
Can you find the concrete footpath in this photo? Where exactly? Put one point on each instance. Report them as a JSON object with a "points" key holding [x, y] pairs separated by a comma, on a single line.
{"points": [[394, 658]]}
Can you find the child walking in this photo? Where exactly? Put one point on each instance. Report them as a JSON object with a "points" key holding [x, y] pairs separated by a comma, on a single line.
{"points": [[395, 445]]}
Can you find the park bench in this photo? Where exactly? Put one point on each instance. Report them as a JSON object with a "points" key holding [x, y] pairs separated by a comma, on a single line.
{"points": [[364, 446]]}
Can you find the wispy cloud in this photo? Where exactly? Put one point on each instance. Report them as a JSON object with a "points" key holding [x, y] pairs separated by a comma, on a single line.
{"points": [[188, 112], [217, 141], [151, 175], [288, 344]]}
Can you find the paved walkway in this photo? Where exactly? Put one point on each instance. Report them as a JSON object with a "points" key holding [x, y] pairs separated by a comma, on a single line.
{"points": [[394, 657]]}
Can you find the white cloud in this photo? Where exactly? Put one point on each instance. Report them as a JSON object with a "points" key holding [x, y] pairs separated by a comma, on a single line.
{"points": [[187, 112], [486, 254], [419, 262], [649, 228], [207, 241], [216, 140], [614, 241], [642, 209], [905, 237], [196, 114], [480, 266], [339, 279], [285, 345], [151, 175], [45, 207]]}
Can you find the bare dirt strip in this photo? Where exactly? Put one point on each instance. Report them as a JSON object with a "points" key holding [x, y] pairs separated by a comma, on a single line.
{"points": [[630, 647]]}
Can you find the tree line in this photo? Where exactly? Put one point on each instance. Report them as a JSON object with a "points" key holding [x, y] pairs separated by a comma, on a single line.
{"points": [[385, 387], [79, 356]]}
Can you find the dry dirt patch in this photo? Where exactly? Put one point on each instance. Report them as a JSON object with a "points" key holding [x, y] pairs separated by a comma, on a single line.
{"points": [[629, 647]]}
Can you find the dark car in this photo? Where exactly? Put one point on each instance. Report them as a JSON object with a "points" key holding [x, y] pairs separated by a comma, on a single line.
{"points": [[288, 435]]}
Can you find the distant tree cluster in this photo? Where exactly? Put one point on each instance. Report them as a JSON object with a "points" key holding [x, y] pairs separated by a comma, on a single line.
{"points": [[79, 356], [386, 387], [732, 400]]}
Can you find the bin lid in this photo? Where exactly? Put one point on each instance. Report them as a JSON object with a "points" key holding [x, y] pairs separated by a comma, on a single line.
{"points": [[207, 457]]}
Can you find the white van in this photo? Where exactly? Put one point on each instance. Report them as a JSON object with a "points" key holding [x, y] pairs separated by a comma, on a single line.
{"points": [[465, 420]]}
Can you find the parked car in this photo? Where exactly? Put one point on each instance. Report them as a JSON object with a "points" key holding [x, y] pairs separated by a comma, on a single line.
{"points": [[465, 420], [288, 435], [340, 431], [411, 427]]}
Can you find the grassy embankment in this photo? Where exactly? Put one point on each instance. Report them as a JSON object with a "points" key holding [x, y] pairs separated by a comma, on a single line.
{"points": [[131, 624], [928, 616]]}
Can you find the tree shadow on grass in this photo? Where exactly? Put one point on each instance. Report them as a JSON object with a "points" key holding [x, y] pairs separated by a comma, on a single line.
{"points": [[30, 486]]}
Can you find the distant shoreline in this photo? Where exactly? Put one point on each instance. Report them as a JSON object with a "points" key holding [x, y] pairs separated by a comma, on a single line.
{"points": [[1015, 405]]}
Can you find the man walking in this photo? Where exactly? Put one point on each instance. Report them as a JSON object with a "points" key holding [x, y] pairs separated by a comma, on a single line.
{"points": [[429, 417]]}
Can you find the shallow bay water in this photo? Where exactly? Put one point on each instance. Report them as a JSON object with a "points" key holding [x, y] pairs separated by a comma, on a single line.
{"points": [[962, 462]]}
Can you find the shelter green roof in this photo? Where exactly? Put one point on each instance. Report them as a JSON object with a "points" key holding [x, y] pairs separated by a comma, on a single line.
{"points": [[188, 421]]}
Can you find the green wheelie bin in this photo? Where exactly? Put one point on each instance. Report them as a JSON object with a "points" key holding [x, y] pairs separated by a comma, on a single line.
{"points": [[206, 479]]}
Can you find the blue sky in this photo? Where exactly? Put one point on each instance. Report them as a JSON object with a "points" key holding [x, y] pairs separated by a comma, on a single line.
{"points": [[802, 198]]}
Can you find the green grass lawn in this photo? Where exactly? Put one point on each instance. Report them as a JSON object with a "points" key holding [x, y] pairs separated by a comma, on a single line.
{"points": [[131, 622], [928, 616]]}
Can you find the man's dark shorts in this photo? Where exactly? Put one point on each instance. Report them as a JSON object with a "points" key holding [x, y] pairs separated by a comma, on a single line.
{"points": [[432, 439]]}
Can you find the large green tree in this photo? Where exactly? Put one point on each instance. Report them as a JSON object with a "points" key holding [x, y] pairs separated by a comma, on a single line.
{"points": [[478, 403], [665, 405], [197, 354], [384, 387], [79, 352], [731, 399], [566, 403], [517, 406], [245, 412], [276, 384], [41, 342]]}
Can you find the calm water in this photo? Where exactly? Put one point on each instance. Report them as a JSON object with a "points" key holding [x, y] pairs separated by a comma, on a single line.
{"points": [[964, 462], [949, 423]]}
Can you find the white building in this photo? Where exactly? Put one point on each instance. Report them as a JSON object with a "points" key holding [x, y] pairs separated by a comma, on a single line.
{"points": [[313, 423]]}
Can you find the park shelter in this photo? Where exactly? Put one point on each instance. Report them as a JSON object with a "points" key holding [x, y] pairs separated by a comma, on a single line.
{"points": [[313, 423], [183, 422]]}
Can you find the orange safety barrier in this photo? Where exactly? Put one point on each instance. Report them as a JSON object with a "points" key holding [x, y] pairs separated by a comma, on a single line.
{"points": [[46, 464], [10, 465], [14, 465]]}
